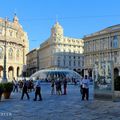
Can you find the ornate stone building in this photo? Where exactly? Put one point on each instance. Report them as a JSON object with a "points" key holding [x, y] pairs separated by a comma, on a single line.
{"points": [[17, 45], [59, 52], [102, 46]]}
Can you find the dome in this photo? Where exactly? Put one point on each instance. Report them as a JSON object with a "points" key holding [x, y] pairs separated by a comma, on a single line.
{"points": [[48, 74], [57, 29], [57, 26]]}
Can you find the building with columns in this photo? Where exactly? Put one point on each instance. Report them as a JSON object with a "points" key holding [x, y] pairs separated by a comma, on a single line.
{"points": [[103, 45], [60, 52], [17, 46]]}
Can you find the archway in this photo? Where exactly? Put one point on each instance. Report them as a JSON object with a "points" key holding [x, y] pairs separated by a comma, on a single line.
{"points": [[82, 73], [78, 71], [10, 73], [18, 71], [116, 72], [1, 71], [90, 72]]}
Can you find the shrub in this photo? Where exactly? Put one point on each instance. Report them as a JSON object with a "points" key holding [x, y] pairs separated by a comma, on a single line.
{"points": [[8, 87]]}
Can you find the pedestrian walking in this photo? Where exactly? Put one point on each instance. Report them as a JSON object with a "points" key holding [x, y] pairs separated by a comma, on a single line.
{"points": [[25, 90], [38, 91], [85, 88], [15, 85], [58, 87], [52, 86], [20, 85], [65, 86], [81, 88]]}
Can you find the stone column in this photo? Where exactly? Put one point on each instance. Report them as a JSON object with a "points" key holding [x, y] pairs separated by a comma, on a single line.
{"points": [[119, 71]]}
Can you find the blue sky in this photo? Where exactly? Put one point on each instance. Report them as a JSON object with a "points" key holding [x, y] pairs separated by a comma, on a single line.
{"points": [[78, 17]]}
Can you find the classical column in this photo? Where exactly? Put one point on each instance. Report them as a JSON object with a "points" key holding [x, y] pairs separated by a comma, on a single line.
{"points": [[4, 69]]}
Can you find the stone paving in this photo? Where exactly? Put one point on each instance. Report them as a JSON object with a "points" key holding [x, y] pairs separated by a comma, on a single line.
{"points": [[54, 107]]}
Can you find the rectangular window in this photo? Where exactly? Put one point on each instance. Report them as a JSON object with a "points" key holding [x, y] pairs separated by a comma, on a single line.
{"points": [[115, 59], [79, 63], [74, 63], [115, 42], [64, 62], [58, 63], [69, 63]]}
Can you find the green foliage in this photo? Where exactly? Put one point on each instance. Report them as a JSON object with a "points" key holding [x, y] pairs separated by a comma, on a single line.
{"points": [[8, 87], [117, 83]]}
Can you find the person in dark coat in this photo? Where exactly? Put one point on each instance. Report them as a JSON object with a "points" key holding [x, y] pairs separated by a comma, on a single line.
{"points": [[65, 86], [25, 90], [52, 86], [38, 91], [1, 91]]}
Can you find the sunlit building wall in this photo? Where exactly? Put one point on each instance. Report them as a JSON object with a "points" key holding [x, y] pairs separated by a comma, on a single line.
{"points": [[60, 52], [103, 45], [32, 62], [17, 46]]}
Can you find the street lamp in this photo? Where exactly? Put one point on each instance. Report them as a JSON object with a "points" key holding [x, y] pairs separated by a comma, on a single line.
{"points": [[4, 69]]}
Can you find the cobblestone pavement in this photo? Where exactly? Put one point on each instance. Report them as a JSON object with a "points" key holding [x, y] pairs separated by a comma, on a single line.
{"points": [[54, 107]]}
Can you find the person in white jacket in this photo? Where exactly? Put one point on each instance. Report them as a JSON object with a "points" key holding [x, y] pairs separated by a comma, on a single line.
{"points": [[85, 88], [38, 91]]}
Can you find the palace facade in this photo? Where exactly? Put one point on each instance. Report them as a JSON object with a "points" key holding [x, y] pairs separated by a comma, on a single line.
{"points": [[59, 52], [17, 46], [103, 45]]}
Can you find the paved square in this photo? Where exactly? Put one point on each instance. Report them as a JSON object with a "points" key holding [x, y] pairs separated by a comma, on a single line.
{"points": [[54, 107]]}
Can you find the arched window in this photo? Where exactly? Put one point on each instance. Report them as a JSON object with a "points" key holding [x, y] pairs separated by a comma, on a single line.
{"points": [[10, 54], [1, 52], [115, 41]]}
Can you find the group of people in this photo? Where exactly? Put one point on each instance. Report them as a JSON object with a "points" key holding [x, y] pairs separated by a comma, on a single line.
{"points": [[84, 87], [18, 85], [56, 87], [27, 86], [37, 90]]}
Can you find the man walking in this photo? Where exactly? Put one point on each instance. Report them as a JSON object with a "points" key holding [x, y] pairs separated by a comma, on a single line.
{"points": [[25, 90], [85, 88], [65, 86], [38, 91]]}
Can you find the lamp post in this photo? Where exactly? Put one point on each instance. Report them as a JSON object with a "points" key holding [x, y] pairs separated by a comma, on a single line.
{"points": [[4, 69]]}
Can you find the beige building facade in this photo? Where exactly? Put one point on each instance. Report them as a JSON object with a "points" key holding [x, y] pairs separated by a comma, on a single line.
{"points": [[32, 62], [60, 52], [17, 46], [103, 45]]}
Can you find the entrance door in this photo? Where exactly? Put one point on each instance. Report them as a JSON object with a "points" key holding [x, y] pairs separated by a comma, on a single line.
{"points": [[10, 73], [116, 72]]}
